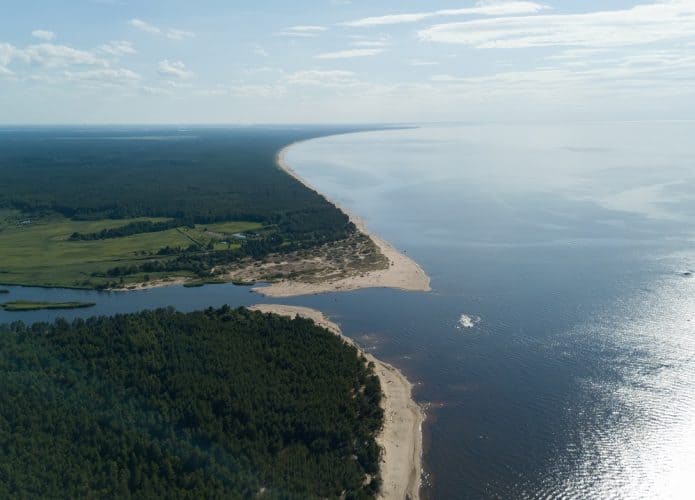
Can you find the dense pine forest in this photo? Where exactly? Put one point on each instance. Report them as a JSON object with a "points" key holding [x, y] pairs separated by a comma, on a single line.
{"points": [[203, 175], [223, 403]]}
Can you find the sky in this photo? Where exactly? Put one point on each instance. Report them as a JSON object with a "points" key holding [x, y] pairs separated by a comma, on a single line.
{"points": [[345, 61]]}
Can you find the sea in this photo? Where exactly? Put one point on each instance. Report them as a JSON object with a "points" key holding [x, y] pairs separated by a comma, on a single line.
{"points": [[555, 354]]}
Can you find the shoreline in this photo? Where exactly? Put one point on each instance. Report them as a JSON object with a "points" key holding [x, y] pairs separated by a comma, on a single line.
{"points": [[401, 437], [403, 273]]}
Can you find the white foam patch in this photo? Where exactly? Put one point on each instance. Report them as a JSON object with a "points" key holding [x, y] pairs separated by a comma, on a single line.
{"points": [[466, 321]]}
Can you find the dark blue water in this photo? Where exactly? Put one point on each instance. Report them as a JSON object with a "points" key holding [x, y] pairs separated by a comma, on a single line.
{"points": [[556, 350]]}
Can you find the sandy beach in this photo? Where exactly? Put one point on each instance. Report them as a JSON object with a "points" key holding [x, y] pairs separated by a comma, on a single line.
{"points": [[402, 272], [401, 437], [149, 285]]}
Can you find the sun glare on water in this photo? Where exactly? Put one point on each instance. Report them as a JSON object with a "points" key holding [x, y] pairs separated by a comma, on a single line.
{"points": [[646, 447]]}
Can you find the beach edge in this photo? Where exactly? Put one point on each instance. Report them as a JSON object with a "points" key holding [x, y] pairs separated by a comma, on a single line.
{"points": [[402, 273]]}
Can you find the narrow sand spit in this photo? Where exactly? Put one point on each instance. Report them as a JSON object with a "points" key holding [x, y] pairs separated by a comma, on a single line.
{"points": [[402, 273], [401, 437], [149, 285]]}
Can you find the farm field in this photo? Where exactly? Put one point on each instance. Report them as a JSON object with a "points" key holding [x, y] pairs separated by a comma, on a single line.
{"points": [[40, 252]]}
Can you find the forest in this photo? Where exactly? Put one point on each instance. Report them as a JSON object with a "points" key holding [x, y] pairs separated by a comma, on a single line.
{"points": [[221, 403], [203, 175]]}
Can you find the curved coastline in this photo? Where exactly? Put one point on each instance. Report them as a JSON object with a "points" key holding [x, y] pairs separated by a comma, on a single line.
{"points": [[401, 437], [403, 273]]}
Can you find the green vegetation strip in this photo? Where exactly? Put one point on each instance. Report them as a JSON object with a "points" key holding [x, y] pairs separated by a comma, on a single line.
{"points": [[24, 305], [42, 253], [160, 404]]}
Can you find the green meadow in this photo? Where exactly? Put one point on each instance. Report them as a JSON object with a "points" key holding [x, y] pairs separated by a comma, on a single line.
{"points": [[40, 252]]}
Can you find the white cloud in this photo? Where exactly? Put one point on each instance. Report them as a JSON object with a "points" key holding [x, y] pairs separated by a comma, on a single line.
{"points": [[174, 69], [445, 78], [573, 54], [7, 53], [350, 53], [118, 48], [43, 35], [648, 23], [174, 34], [421, 62], [260, 51], [261, 69], [54, 56], [499, 8], [262, 91], [302, 31], [171, 33], [214, 92], [322, 78], [53, 64], [145, 26], [156, 91], [370, 43], [649, 73], [108, 76]]}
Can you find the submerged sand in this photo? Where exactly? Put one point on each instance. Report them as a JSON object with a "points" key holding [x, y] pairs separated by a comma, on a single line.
{"points": [[401, 437], [402, 272]]}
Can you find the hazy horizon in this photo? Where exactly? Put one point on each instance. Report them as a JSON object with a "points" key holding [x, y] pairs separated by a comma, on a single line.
{"points": [[343, 61]]}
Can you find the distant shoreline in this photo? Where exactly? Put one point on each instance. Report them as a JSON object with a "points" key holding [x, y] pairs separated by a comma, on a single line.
{"points": [[402, 273], [401, 437]]}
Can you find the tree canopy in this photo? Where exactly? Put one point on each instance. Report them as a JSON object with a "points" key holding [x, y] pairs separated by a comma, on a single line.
{"points": [[219, 403]]}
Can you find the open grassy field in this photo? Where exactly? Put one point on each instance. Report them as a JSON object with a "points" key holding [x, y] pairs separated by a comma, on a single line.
{"points": [[40, 252]]}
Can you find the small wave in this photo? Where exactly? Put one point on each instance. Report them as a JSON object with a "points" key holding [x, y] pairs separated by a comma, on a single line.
{"points": [[466, 321]]}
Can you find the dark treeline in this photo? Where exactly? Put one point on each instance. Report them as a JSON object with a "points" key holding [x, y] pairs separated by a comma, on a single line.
{"points": [[201, 176], [131, 229], [214, 404]]}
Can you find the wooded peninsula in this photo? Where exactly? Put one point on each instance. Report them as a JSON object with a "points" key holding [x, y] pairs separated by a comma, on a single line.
{"points": [[224, 403]]}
